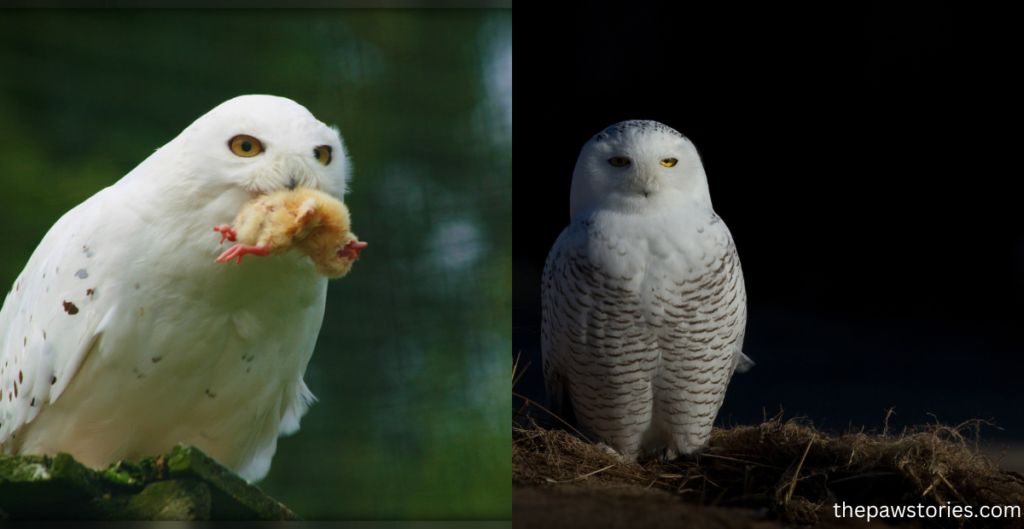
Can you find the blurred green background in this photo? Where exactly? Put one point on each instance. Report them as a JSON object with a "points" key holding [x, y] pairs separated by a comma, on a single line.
{"points": [[411, 367]]}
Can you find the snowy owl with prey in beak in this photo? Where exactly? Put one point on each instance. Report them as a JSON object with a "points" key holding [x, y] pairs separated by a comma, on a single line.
{"points": [[123, 336]]}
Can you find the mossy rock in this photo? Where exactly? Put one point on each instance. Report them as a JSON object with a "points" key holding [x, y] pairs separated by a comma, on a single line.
{"points": [[185, 484]]}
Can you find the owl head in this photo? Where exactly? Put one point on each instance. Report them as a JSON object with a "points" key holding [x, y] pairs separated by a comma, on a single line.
{"points": [[261, 144], [636, 166]]}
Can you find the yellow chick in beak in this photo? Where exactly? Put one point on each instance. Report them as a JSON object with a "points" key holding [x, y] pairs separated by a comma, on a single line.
{"points": [[312, 221]]}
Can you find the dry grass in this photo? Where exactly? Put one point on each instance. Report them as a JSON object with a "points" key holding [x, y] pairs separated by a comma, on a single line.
{"points": [[789, 468]]}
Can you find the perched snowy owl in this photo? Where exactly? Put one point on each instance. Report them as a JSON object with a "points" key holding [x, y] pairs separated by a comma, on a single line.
{"points": [[644, 307], [122, 337]]}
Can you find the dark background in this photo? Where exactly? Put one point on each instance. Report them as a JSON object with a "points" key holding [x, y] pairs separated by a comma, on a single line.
{"points": [[866, 161]]}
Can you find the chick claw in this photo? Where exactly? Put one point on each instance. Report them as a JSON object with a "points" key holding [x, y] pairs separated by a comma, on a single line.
{"points": [[352, 249], [241, 250], [226, 233]]}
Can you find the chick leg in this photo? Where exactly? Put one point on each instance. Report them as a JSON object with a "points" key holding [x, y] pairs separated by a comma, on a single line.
{"points": [[352, 249], [226, 233], [241, 250]]}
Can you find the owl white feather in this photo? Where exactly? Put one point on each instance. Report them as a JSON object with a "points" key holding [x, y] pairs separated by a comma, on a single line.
{"points": [[122, 337], [644, 306]]}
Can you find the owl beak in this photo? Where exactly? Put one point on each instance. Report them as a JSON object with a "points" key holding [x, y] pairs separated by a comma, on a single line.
{"points": [[643, 182]]}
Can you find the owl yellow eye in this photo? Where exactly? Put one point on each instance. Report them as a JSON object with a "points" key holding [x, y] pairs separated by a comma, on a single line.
{"points": [[618, 161], [246, 146], [669, 162], [322, 154]]}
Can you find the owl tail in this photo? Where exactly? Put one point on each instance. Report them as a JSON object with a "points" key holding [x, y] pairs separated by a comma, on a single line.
{"points": [[741, 362]]}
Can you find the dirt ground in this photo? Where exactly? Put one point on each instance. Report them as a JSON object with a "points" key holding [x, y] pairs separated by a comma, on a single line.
{"points": [[584, 506], [777, 474]]}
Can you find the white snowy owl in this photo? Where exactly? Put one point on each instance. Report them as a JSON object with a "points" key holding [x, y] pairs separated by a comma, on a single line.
{"points": [[122, 337], [644, 307]]}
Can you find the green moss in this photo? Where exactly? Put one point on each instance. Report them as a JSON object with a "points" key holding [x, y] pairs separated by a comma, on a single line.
{"points": [[126, 474], [185, 484], [179, 499]]}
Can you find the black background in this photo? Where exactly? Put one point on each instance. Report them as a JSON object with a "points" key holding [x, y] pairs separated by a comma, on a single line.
{"points": [[866, 160]]}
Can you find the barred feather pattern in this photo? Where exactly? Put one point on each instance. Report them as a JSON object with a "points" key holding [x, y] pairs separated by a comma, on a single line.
{"points": [[643, 325]]}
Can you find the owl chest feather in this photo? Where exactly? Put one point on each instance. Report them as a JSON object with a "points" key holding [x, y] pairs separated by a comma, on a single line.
{"points": [[676, 277]]}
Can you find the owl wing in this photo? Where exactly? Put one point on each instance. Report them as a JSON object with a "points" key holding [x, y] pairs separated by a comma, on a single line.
{"points": [[697, 303], [704, 307], [563, 300], [696, 294], [54, 314], [555, 309], [598, 357]]}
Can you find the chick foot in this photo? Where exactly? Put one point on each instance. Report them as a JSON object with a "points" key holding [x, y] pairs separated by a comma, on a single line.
{"points": [[226, 233], [241, 250], [352, 249]]}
